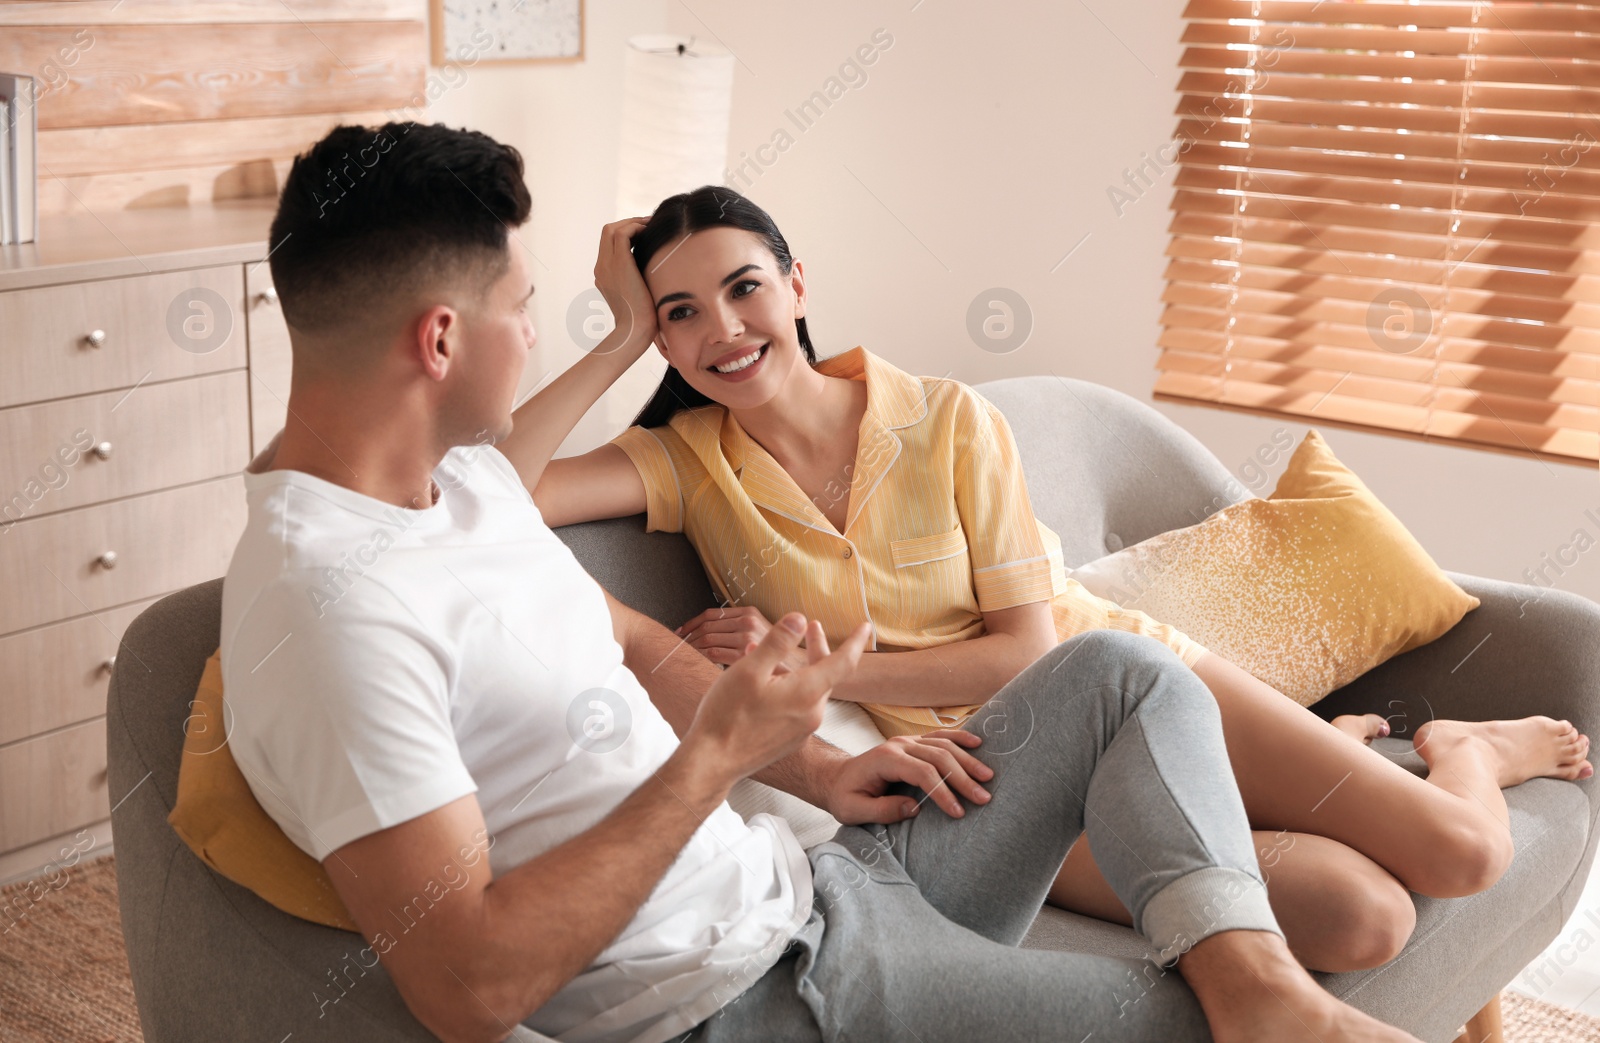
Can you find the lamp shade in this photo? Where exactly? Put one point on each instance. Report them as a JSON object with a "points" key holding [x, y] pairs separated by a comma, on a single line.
{"points": [[677, 96]]}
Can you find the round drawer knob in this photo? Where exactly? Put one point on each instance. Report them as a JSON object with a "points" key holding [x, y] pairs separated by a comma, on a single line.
{"points": [[103, 450], [108, 560], [96, 338], [269, 295], [109, 664]]}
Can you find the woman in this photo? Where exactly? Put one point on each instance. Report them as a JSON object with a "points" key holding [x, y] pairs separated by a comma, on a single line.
{"points": [[921, 523]]}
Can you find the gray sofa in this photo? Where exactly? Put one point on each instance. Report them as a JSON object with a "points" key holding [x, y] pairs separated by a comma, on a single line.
{"points": [[211, 961]]}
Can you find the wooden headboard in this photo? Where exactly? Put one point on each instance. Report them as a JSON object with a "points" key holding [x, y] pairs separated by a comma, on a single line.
{"points": [[168, 102]]}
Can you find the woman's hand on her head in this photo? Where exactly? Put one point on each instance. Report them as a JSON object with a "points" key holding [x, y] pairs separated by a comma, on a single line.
{"points": [[616, 276], [723, 634]]}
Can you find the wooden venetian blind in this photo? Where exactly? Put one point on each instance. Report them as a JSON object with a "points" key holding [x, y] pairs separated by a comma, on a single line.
{"points": [[1388, 215]]}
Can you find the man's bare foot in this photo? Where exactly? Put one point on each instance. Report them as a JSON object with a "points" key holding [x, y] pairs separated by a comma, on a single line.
{"points": [[1362, 727], [1253, 991], [1529, 748]]}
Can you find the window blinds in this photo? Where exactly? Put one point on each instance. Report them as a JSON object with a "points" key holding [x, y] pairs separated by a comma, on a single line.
{"points": [[1388, 215]]}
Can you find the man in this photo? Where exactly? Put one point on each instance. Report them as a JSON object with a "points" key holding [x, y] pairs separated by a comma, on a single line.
{"points": [[420, 673]]}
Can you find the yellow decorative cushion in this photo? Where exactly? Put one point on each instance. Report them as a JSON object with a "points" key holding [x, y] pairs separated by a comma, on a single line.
{"points": [[1307, 590], [218, 816]]}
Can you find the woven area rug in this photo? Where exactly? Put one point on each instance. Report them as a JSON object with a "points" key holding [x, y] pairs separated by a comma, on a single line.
{"points": [[1529, 1021], [63, 968], [64, 971]]}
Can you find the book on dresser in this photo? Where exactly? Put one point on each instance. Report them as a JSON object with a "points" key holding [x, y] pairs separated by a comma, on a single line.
{"points": [[19, 165]]}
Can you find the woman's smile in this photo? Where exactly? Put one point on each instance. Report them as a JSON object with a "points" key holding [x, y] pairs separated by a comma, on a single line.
{"points": [[740, 364]]}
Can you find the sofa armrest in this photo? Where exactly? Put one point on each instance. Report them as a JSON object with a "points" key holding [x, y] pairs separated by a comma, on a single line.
{"points": [[1525, 650]]}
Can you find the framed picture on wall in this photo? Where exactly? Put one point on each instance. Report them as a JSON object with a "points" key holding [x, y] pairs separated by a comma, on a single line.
{"points": [[506, 30]]}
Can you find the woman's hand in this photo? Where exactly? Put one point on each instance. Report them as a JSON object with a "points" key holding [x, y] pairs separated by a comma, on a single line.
{"points": [[723, 634], [616, 276]]}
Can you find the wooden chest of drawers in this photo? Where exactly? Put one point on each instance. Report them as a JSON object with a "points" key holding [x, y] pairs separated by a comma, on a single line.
{"points": [[134, 388]]}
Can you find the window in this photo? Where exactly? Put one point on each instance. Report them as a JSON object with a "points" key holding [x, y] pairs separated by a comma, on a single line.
{"points": [[1388, 215]]}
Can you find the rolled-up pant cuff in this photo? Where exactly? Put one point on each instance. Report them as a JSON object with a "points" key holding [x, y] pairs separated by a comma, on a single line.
{"points": [[1205, 902]]}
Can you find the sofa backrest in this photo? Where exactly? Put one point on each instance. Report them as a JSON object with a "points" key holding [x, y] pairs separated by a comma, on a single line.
{"points": [[657, 573], [1104, 471], [208, 957]]}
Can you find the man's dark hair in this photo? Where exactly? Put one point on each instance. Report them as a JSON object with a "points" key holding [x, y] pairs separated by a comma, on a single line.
{"points": [[369, 213]]}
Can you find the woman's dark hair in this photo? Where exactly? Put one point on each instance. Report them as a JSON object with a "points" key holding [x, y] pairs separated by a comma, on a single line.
{"points": [[710, 206]]}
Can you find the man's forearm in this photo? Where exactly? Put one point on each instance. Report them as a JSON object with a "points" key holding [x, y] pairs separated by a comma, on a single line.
{"points": [[558, 911], [806, 771], [676, 678]]}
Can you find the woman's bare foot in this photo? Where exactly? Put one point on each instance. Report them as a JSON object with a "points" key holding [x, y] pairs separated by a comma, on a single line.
{"points": [[1252, 991], [1362, 727], [1529, 748]]}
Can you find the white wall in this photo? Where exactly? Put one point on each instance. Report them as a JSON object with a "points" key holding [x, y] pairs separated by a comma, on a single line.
{"points": [[978, 153], [565, 118]]}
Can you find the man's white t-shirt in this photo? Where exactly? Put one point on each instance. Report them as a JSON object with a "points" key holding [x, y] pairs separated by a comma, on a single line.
{"points": [[379, 663]]}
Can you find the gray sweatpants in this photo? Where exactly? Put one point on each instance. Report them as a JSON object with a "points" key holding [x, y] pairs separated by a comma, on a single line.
{"points": [[914, 929]]}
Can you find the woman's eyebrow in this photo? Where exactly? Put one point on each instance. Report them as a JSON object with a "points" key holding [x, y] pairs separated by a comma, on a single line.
{"points": [[682, 295]]}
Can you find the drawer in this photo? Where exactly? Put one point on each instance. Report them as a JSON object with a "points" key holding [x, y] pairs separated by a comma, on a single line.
{"points": [[269, 357], [56, 675], [78, 451], [150, 327], [53, 784], [53, 568]]}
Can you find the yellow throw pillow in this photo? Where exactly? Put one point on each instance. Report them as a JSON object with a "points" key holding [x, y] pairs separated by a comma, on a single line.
{"points": [[220, 819], [1307, 590]]}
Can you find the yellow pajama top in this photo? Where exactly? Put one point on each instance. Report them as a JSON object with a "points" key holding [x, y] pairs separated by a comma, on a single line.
{"points": [[939, 529]]}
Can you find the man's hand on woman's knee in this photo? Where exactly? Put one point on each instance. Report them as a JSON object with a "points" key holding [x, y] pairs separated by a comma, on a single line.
{"points": [[938, 762]]}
